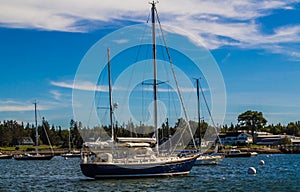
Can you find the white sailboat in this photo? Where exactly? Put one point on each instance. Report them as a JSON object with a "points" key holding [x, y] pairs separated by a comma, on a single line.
{"points": [[136, 157], [205, 159], [71, 153], [35, 156], [5, 156]]}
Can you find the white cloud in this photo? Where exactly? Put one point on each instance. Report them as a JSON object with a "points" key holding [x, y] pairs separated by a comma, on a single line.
{"points": [[15, 106], [120, 41], [62, 84], [56, 94], [85, 86], [89, 86], [215, 23], [57, 112], [182, 89]]}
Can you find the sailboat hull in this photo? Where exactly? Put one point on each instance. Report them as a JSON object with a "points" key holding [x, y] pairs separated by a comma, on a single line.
{"points": [[208, 160], [33, 157], [6, 156], [106, 170], [71, 155]]}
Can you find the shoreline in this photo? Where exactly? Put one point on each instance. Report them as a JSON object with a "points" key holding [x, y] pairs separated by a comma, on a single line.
{"points": [[57, 152], [261, 150], [264, 150]]}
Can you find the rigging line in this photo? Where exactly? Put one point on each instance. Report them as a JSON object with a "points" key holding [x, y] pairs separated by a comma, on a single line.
{"points": [[209, 112], [95, 102], [92, 106], [143, 103], [210, 115], [140, 43], [98, 99], [105, 115], [176, 82], [167, 74], [148, 18], [46, 133]]}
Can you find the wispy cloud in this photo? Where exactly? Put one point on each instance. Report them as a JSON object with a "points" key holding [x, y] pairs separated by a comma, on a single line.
{"points": [[84, 85], [186, 90], [23, 110], [120, 41], [56, 94], [15, 106], [89, 86], [62, 84], [216, 23]]}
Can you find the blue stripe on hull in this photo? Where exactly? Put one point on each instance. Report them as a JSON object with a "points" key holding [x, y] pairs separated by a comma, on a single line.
{"points": [[138, 170]]}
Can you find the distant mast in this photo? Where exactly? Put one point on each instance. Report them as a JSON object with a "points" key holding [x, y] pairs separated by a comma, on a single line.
{"points": [[110, 97], [36, 131], [154, 72], [199, 118]]}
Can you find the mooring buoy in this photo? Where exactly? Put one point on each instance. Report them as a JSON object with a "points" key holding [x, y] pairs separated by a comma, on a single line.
{"points": [[251, 170], [262, 162]]}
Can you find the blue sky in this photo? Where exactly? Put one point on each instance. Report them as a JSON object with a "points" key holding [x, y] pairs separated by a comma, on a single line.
{"points": [[256, 44]]}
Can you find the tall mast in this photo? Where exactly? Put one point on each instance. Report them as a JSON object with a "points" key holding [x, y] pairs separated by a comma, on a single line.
{"points": [[110, 97], [70, 139], [198, 99], [154, 72], [36, 130]]}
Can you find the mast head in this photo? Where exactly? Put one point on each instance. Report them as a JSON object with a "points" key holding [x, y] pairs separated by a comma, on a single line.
{"points": [[153, 2]]}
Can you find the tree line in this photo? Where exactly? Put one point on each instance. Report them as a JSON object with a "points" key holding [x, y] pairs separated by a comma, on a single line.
{"points": [[255, 121], [12, 132]]}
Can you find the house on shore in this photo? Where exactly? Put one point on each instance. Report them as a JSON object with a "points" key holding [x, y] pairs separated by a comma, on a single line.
{"points": [[295, 141], [265, 138], [235, 138], [262, 138], [26, 141]]}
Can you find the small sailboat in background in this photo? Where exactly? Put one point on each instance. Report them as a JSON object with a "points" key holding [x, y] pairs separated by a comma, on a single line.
{"points": [[35, 156], [209, 159], [71, 153], [5, 156], [205, 159]]}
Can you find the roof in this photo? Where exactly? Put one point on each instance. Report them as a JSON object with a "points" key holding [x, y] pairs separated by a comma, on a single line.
{"points": [[136, 139], [233, 134]]}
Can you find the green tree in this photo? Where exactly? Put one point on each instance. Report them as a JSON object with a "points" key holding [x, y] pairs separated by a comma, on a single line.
{"points": [[253, 120], [76, 140], [286, 140]]}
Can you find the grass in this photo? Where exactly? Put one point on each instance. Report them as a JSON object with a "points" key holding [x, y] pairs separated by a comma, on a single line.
{"points": [[27, 148]]}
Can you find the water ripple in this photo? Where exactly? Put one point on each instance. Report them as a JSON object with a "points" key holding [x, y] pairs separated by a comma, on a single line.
{"points": [[280, 173]]}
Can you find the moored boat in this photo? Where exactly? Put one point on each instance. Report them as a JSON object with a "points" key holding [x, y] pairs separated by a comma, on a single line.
{"points": [[5, 156], [208, 159], [237, 153], [35, 156], [71, 154], [254, 153], [158, 167], [136, 157]]}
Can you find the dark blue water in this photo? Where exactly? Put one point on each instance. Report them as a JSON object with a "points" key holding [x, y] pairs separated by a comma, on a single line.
{"points": [[280, 173]]}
